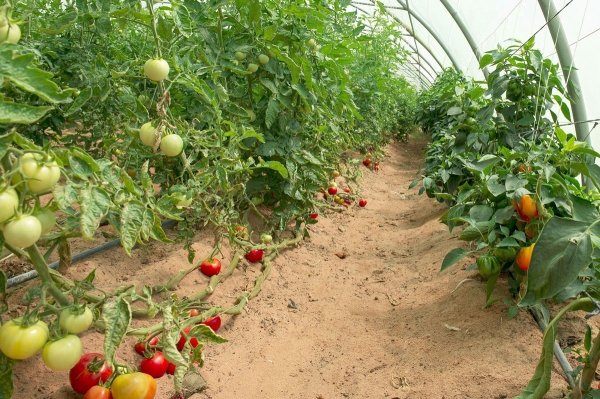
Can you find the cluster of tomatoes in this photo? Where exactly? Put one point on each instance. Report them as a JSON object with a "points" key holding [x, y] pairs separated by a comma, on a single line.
{"points": [[338, 198], [368, 161]]}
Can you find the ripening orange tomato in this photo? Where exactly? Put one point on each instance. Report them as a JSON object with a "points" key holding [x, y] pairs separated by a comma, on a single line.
{"points": [[528, 206], [523, 258]]}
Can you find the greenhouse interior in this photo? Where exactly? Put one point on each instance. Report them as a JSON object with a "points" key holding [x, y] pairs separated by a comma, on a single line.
{"points": [[217, 199]]}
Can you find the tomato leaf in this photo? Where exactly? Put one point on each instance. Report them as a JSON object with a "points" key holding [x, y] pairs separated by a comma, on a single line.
{"points": [[131, 221], [11, 112], [272, 111], [182, 20], [20, 71], [80, 101], [277, 166], [6, 376], [562, 251], [540, 382], [453, 257], [95, 204], [116, 315]]}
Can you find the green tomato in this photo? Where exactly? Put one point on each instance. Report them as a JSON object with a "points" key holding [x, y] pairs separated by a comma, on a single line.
{"points": [[252, 67], [488, 266], [23, 232], [41, 175], [240, 56], [10, 33], [75, 323], [183, 201], [266, 238], [9, 201], [171, 145], [156, 70], [263, 59], [47, 219], [148, 134], [19, 342], [62, 354]]}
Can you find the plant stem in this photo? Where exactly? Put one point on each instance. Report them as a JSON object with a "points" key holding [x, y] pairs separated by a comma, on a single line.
{"points": [[584, 381], [42, 268]]}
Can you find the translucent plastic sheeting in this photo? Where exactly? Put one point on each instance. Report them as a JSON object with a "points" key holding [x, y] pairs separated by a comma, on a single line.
{"points": [[493, 22]]}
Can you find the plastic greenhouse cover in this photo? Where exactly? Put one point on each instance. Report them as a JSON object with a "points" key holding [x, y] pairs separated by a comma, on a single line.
{"points": [[498, 22]]}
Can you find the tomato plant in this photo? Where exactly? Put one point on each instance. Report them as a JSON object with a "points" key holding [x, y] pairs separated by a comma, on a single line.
{"points": [[22, 341], [23, 231], [332, 190], [141, 346], [210, 266], [40, 174], [90, 370], [148, 134], [63, 353], [171, 145], [133, 386], [156, 70], [184, 338], [156, 366], [9, 203]]}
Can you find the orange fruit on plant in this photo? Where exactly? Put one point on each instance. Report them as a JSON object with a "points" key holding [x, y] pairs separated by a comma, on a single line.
{"points": [[528, 206], [523, 258]]}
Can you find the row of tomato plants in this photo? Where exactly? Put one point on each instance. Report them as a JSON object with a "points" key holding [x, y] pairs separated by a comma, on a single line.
{"points": [[511, 176], [129, 113]]}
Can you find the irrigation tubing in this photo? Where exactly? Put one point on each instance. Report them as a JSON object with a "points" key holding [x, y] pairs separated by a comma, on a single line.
{"points": [[21, 278]]}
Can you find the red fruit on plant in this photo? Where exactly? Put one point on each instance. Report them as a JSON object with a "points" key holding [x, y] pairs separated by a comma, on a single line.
{"points": [[210, 266], [213, 322], [98, 392], [183, 340], [332, 190], [313, 215], [194, 313], [362, 203], [347, 190], [155, 366], [140, 347], [255, 255], [171, 368], [89, 371], [348, 201], [367, 162]]}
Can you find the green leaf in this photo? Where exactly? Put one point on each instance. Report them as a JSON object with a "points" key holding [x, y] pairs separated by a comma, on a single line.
{"points": [[132, 218], [563, 250], [272, 111], [540, 382], [269, 85], [513, 311], [169, 346], [6, 376], [277, 166], [95, 204], [11, 112], [183, 21], [82, 164], [21, 71], [476, 92], [454, 256], [205, 334], [80, 101], [474, 232], [58, 25], [116, 315], [454, 111], [486, 60]]}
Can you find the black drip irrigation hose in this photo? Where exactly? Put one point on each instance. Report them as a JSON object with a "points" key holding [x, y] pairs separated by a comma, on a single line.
{"points": [[21, 278], [558, 353]]}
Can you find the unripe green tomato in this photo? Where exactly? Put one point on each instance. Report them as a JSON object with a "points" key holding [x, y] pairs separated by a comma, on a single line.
{"points": [[62, 354], [156, 70], [10, 33], [9, 202], [240, 56], [47, 219], [76, 323], [266, 238], [19, 342], [311, 43], [251, 115], [171, 145], [148, 134], [488, 265], [252, 67], [263, 59], [22, 232]]}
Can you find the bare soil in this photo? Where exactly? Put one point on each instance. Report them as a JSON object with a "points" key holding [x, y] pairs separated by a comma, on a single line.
{"points": [[382, 322]]}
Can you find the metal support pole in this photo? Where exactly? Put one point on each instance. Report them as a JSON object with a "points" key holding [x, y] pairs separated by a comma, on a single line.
{"points": [[466, 33], [431, 31], [424, 59], [565, 58]]}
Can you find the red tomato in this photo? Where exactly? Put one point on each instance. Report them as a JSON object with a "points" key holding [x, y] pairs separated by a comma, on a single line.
{"points": [[332, 190], [347, 190], [155, 366], [348, 201], [255, 255], [171, 368], [213, 322], [194, 313], [140, 347], [210, 267], [98, 392], [89, 371], [362, 203], [313, 215], [183, 340], [367, 162]]}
